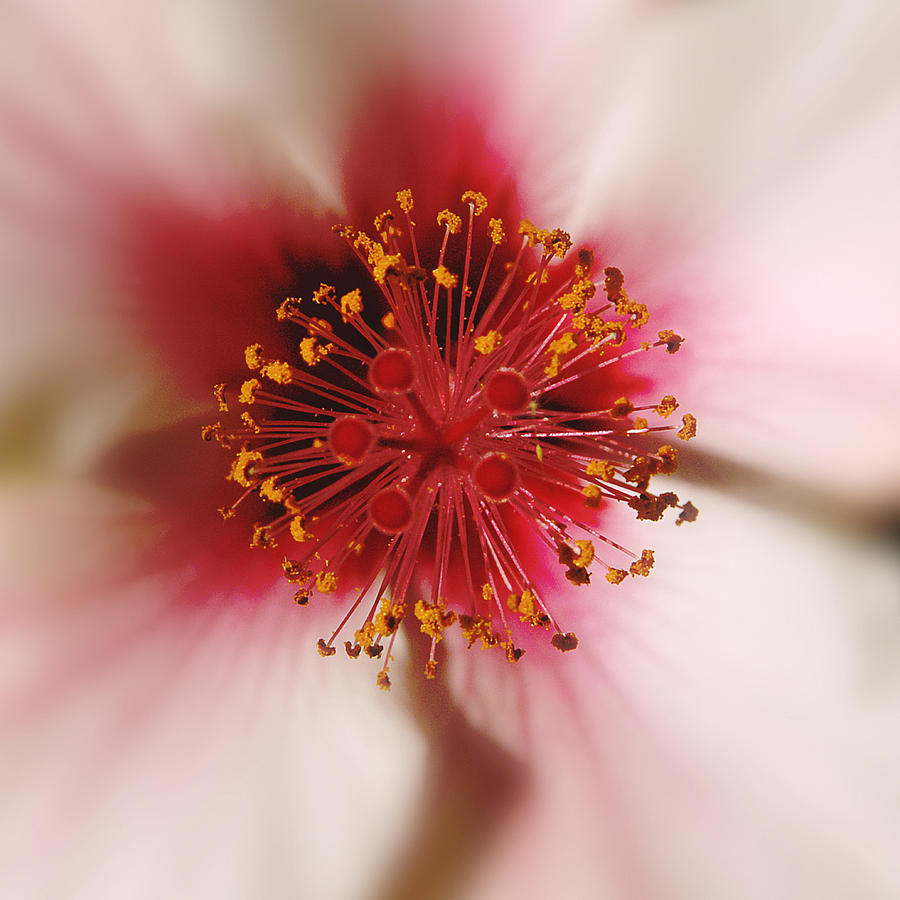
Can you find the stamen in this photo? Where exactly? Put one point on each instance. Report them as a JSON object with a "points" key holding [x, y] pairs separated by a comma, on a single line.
{"points": [[420, 440]]}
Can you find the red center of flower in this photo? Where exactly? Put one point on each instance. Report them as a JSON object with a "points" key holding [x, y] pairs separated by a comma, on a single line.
{"points": [[425, 429]]}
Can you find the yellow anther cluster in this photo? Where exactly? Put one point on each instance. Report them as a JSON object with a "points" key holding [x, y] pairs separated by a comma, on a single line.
{"points": [[389, 321], [382, 220], [219, 393], [487, 592], [249, 422], [242, 462], [434, 618], [389, 617], [405, 199], [323, 295], [475, 628], [298, 532], [261, 538], [621, 408], [668, 459], [351, 304], [479, 201], [666, 406], [279, 372], [450, 219], [367, 636], [495, 229], [600, 467], [586, 556], [488, 343], [313, 352], [444, 277], [672, 341], [385, 264], [528, 609], [248, 391], [529, 231], [253, 356], [290, 306], [555, 352], [270, 491], [643, 565], [689, 427], [295, 572], [557, 242], [616, 576], [640, 424], [326, 582], [592, 496]]}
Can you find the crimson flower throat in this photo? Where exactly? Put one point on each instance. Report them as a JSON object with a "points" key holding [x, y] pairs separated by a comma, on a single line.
{"points": [[433, 443]]}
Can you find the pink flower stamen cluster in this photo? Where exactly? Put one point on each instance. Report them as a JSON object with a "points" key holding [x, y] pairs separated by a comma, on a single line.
{"points": [[423, 430]]}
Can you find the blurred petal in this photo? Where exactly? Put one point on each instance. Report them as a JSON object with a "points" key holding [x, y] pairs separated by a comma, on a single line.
{"points": [[729, 729]]}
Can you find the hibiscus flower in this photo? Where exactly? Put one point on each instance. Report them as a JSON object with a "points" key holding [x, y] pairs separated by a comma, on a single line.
{"points": [[726, 728]]}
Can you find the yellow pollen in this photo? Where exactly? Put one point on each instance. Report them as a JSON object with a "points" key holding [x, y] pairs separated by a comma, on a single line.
{"points": [[367, 636], [389, 617], [592, 495], [640, 424], [312, 352], [269, 491], [324, 294], [326, 582], [250, 422], [666, 406], [586, 557], [643, 565], [528, 230], [606, 470], [616, 576], [253, 356], [248, 391], [351, 304], [671, 340], [383, 680], [219, 393], [557, 242], [389, 321], [668, 459], [434, 618], [242, 462], [450, 219], [279, 372], [444, 277], [689, 427], [495, 227], [528, 609], [289, 307], [298, 532], [405, 199], [488, 343], [487, 592], [621, 408], [386, 264], [261, 537], [479, 201], [383, 219]]}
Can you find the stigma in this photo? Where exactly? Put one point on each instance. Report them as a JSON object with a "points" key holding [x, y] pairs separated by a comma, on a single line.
{"points": [[434, 444]]}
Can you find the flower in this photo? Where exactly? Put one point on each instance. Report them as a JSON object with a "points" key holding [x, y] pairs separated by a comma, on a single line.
{"points": [[425, 441], [731, 731]]}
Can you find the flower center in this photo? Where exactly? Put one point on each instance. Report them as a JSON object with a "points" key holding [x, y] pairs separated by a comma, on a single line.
{"points": [[429, 425]]}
